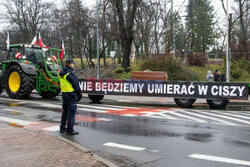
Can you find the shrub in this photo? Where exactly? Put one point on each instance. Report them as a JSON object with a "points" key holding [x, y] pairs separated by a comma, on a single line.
{"points": [[236, 72], [197, 59], [118, 71], [171, 65], [128, 69]]}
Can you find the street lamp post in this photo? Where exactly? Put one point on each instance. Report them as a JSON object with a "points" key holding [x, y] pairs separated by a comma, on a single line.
{"points": [[227, 47], [97, 40]]}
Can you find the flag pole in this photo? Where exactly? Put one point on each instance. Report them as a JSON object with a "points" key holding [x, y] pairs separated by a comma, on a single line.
{"points": [[8, 45]]}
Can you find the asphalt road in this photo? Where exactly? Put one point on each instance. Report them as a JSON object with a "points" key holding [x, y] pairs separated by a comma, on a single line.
{"points": [[145, 132]]}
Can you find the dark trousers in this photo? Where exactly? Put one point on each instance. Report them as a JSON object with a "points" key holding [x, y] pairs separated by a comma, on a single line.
{"points": [[69, 106]]}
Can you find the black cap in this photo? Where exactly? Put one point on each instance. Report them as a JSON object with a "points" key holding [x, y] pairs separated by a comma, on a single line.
{"points": [[69, 61]]}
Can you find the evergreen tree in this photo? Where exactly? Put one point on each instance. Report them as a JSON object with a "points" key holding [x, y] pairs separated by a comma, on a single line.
{"points": [[200, 25]]}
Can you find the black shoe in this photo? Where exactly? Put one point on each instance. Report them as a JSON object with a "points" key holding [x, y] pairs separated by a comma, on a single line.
{"points": [[72, 133], [62, 131]]}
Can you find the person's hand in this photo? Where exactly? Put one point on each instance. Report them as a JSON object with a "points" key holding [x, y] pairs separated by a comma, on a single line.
{"points": [[79, 97]]}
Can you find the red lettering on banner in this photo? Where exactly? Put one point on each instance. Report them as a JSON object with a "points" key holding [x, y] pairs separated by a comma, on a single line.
{"points": [[89, 86], [98, 86]]}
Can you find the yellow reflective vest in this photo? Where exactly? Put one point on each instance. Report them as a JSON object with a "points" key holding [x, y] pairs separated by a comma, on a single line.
{"points": [[66, 86]]}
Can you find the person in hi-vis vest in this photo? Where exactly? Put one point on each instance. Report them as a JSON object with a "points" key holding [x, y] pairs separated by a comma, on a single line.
{"points": [[71, 94]]}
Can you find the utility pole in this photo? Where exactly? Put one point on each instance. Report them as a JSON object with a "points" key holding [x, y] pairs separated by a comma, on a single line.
{"points": [[97, 40], [227, 47]]}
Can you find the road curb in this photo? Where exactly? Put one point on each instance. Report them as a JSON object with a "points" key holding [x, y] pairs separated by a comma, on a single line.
{"points": [[84, 149]]}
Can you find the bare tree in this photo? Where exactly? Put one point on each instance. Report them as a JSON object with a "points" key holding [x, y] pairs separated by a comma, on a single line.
{"points": [[26, 16], [126, 12]]}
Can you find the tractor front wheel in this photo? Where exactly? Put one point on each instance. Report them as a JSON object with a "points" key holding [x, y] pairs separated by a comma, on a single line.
{"points": [[19, 84]]}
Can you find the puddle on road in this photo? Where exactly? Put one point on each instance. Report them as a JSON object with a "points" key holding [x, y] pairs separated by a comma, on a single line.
{"points": [[13, 104], [238, 142], [199, 137], [132, 127]]}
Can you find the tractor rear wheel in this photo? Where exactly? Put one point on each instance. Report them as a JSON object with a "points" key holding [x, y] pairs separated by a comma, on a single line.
{"points": [[19, 84]]}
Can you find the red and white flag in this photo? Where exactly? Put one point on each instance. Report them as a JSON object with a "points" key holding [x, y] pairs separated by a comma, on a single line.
{"points": [[34, 41], [18, 55], [40, 41], [63, 51], [54, 58]]}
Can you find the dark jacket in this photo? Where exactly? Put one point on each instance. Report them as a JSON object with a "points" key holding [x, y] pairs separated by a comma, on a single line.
{"points": [[71, 78], [217, 77]]}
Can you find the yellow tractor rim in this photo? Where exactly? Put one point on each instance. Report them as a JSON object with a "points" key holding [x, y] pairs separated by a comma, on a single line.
{"points": [[14, 81]]}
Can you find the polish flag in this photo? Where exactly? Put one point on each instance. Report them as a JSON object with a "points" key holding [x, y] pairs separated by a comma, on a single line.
{"points": [[54, 58], [41, 44], [40, 41], [34, 41], [18, 55], [63, 51]]}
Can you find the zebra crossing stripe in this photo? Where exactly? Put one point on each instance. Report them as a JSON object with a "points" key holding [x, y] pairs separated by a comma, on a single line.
{"points": [[207, 117], [98, 107], [52, 128], [235, 115], [220, 159], [159, 115], [92, 110], [17, 121], [227, 117], [184, 116]]}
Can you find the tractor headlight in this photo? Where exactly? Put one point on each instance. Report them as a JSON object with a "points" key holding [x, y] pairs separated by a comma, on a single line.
{"points": [[49, 59], [27, 46], [24, 57]]}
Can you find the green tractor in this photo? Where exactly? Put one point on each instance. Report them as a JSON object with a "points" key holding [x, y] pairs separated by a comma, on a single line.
{"points": [[29, 67]]}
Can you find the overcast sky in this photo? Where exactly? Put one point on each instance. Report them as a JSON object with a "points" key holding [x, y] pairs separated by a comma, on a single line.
{"points": [[219, 13]]}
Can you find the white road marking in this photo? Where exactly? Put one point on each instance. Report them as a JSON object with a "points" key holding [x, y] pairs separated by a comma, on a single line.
{"points": [[184, 116], [212, 118], [52, 128], [227, 117], [127, 147], [92, 110], [220, 159], [99, 107], [50, 105], [8, 109], [104, 119], [17, 121], [125, 100], [158, 115], [8, 99], [129, 115], [115, 106], [235, 115], [240, 112]]}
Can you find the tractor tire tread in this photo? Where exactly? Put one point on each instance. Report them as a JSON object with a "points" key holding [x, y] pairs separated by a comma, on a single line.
{"points": [[26, 86]]}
